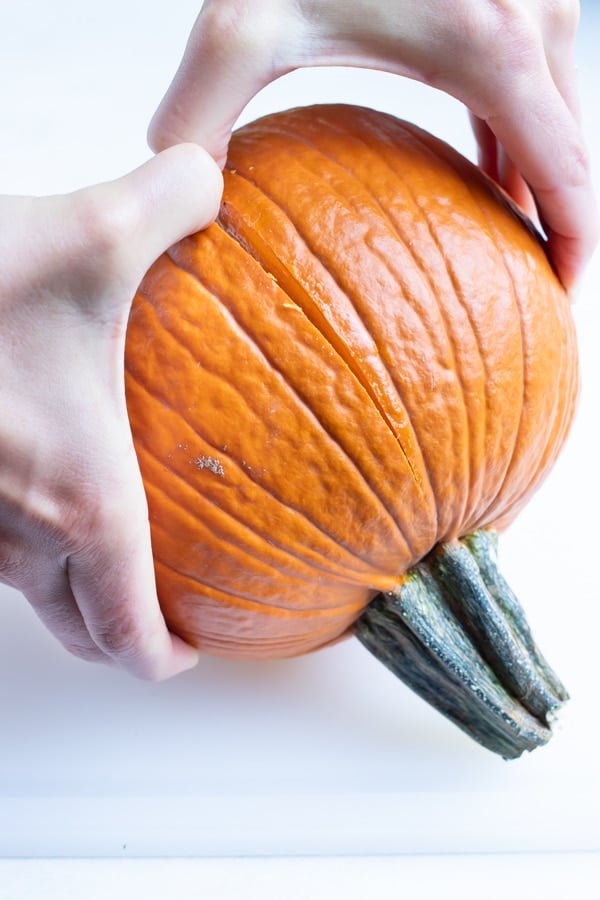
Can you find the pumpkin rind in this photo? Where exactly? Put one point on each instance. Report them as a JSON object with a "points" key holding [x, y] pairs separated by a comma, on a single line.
{"points": [[366, 355]]}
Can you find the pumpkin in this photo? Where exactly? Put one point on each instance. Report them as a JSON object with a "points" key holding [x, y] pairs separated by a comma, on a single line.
{"points": [[365, 361]]}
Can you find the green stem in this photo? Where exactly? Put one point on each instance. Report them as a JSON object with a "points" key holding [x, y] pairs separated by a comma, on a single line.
{"points": [[456, 634]]}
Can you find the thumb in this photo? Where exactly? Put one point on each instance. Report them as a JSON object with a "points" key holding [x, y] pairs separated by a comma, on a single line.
{"points": [[128, 223], [132, 220]]}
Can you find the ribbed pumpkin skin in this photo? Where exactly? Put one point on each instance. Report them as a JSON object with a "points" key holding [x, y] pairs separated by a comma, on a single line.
{"points": [[366, 354]]}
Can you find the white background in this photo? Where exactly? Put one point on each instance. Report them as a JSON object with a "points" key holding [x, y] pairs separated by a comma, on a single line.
{"points": [[323, 755]]}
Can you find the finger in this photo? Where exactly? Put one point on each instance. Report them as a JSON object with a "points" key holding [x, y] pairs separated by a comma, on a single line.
{"points": [[137, 217], [495, 162], [228, 59], [559, 26], [516, 187], [53, 602], [179, 193], [111, 575], [565, 205], [111, 233], [546, 145], [487, 147], [552, 159], [113, 584]]}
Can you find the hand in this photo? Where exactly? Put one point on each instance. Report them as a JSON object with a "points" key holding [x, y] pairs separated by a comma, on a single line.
{"points": [[511, 64], [74, 534]]}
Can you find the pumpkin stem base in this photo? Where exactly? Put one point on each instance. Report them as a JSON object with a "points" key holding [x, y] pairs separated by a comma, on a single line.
{"points": [[455, 633]]}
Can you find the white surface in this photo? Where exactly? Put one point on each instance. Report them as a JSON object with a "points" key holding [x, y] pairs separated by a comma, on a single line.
{"points": [[322, 755], [553, 877]]}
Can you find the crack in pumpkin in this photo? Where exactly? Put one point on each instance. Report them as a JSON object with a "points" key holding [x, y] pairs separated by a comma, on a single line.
{"points": [[227, 311], [314, 555], [331, 126], [301, 298]]}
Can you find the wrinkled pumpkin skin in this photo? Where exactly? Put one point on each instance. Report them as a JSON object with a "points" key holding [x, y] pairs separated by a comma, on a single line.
{"points": [[366, 354]]}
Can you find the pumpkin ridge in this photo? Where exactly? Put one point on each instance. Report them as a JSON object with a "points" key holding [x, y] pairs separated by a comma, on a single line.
{"points": [[342, 573], [299, 295], [413, 134], [311, 557], [416, 135], [252, 248], [566, 421], [260, 646], [268, 606], [555, 438], [356, 366], [230, 313], [304, 139], [334, 539], [248, 648], [369, 577], [468, 417], [433, 146], [457, 164], [233, 235], [490, 514]]}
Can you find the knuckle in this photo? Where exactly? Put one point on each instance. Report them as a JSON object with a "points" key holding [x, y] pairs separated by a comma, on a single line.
{"points": [[510, 47], [562, 17], [520, 28], [517, 33], [576, 166], [57, 613], [105, 223], [129, 642], [119, 637], [498, 37], [248, 30], [65, 523], [94, 517]]}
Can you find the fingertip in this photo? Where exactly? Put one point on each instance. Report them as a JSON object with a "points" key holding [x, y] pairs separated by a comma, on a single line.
{"points": [[158, 659], [188, 177], [487, 146], [205, 175], [185, 657], [174, 194], [157, 136], [571, 255], [179, 658]]}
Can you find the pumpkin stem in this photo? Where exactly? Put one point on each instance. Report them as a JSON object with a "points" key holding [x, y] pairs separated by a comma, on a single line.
{"points": [[455, 633]]}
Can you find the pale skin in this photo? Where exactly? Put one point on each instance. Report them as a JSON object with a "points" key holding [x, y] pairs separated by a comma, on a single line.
{"points": [[74, 535], [511, 62]]}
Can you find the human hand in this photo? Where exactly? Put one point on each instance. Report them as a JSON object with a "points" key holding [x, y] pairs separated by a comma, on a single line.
{"points": [[74, 535], [511, 64]]}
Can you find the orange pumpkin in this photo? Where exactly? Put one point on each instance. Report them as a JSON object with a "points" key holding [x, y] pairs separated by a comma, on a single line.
{"points": [[366, 356]]}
